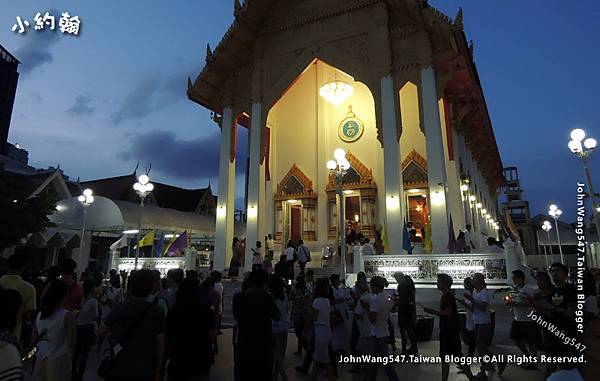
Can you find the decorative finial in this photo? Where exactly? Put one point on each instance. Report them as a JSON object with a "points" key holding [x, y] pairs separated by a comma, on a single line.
{"points": [[471, 47], [209, 54], [237, 6], [458, 20], [189, 83], [136, 167]]}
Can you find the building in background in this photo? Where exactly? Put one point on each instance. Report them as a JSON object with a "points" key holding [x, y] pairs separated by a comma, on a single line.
{"points": [[518, 210], [9, 77]]}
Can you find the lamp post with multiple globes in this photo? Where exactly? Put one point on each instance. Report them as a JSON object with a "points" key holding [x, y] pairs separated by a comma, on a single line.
{"points": [[143, 187], [339, 167], [555, 213], [86, 199], [583, 148], [546, 226]]}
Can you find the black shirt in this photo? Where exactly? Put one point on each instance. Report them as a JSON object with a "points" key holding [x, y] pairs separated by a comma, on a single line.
{"points": [[563, 297], [139, 322], [448, 324]]}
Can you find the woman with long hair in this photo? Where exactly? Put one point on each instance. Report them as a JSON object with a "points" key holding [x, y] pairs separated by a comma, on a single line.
{"points": [[185, 364], [54, 331], [86, 330], [279, 327], [322, 308]]}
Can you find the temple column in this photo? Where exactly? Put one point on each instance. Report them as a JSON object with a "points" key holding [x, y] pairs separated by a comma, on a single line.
{"points": [[436, 165], [390, 108], [225, 200], [255, 210]]}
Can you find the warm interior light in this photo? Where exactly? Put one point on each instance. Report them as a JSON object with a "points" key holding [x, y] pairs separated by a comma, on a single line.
{"points": [[356, 217], [392, 202], [252, 212], [413, 190], [348, 191], [292, 201], [336, 92], [133, 231]]}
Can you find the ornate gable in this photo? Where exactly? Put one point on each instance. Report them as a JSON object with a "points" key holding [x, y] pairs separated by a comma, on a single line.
{"points": [[414, 170], [295, 184]]}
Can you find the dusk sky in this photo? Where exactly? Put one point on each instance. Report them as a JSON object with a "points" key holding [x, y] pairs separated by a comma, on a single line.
{"points": [[116, 94]]}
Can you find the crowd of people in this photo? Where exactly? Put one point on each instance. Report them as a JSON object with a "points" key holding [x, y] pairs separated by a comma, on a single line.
{"points": [[152, 328]]}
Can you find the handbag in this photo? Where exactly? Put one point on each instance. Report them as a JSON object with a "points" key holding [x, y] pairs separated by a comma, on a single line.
{"points": [[109, 354]]}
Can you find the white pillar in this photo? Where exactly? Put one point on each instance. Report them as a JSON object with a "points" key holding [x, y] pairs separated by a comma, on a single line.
{"points": [[390, 107], [255, 211], [436, 166], [225, 200]]}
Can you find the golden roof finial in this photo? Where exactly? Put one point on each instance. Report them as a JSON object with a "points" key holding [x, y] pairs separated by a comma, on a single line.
{"points": [[458, 20]]}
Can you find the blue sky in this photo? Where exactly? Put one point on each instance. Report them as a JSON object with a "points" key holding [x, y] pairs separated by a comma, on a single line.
{"points": [[99, 102]]}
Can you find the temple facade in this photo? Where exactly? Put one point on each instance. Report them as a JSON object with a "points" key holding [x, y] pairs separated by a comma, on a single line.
{"points": [[392, 82]]}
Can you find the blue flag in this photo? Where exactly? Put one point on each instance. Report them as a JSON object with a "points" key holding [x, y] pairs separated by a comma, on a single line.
{"points": [[159, 244]]}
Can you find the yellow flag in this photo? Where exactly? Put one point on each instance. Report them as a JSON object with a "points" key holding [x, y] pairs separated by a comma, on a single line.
{"points": [[384, 238], [148, 239], [427, 245]]}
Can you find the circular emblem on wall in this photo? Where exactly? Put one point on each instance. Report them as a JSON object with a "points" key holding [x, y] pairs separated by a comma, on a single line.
{"points": [[351, 128]]}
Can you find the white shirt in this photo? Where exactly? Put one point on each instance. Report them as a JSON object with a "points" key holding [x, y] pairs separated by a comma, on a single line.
{"points": [[342, 297], [469, 325], [382, 305], [469, 237], [323, 308], [257, 258], [289, 253], [88, 312], [521, 296], [53, 343], [115, 295], [367, 249], [364, 325], [480, 316]]}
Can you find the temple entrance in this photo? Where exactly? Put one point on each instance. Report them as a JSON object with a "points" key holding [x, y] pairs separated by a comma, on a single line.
{"points": [[295, 222]]}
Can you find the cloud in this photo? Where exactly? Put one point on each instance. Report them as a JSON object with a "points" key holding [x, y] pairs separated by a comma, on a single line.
{"points": [[36, 50], [152, 93], [81, 106], [184, 159]]}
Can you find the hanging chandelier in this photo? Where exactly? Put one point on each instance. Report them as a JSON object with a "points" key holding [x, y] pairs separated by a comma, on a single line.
{"points": [[336, 92]]}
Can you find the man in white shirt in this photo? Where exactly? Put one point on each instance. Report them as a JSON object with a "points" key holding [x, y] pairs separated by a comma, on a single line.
{"points": [[482, 319], [290, 252], [524, 331], [367, 248], [379, 309], [470, 239]]}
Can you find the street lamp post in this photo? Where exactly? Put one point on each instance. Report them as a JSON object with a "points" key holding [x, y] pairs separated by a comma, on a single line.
{"points": [[583, 149], [143, 187], [546, 227], [554, 212], [86, 199], [339, 167]]}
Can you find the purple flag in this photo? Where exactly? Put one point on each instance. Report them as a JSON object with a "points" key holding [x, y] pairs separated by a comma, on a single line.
{"points": [[451, 238], [179, 244]]}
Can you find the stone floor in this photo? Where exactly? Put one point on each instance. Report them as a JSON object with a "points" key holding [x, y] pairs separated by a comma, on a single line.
{"points": [[222, 369]]}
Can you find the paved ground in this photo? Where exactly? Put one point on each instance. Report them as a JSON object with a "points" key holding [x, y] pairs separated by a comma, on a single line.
{"points": [[222, 370]]}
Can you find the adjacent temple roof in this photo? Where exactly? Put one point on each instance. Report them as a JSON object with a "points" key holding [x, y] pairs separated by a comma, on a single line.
{"points": [[165, 196]]}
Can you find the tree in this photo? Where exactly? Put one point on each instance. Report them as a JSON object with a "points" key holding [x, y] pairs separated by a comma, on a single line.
{"points": [[21, 215]]}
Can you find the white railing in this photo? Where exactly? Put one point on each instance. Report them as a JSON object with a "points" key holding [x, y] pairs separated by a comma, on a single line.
{"points": [[423, 268]]}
